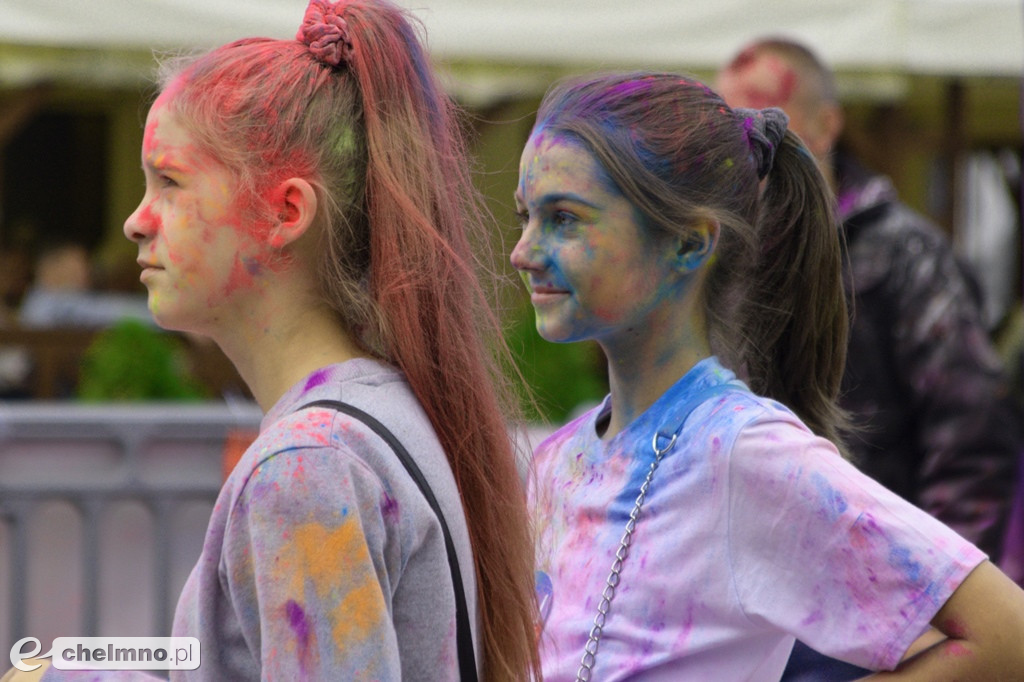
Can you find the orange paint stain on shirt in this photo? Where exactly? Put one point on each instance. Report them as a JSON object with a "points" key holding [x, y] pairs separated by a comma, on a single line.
{"points": [[324, 558], [359, 614]]}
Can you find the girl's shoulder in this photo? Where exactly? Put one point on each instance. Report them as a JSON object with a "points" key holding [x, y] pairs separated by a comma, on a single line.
{"points": [[310, 447], [733, 407], [758, 418], [754, 438], [306, 429], [575, 428]]}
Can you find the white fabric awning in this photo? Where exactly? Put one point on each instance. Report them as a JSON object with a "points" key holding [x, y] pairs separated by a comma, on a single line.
{"points": [[945, 37]]}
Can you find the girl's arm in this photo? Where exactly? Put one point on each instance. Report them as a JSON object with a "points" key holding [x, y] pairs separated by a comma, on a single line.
{"points": [[983, 625], [307, 565]]}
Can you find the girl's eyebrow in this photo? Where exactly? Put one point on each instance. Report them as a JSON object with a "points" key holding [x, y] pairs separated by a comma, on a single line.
{"points": [[163, 162], [555, 197]]}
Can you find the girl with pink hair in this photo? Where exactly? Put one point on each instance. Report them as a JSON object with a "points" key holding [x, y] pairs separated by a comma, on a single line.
{"points": [[308, 206]]}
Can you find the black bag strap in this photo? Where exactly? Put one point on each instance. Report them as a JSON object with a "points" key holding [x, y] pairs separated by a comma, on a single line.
{"points": [[464, 637]]}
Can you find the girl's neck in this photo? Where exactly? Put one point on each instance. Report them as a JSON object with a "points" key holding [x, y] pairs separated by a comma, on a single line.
{"points": [[642, 368], [298, 340]]}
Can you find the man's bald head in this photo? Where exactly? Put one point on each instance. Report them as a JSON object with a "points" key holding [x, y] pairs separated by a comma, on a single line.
{"points": [[780, 73]]}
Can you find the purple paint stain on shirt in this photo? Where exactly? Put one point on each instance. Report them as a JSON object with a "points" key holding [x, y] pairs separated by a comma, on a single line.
{"points": [[318, 377], [300, 626], [545, 595], [388, 507], [813, 617]]}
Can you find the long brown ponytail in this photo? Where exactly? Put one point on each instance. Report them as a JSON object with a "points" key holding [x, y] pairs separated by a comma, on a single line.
{"points": [[796, 315], [421, 207]]}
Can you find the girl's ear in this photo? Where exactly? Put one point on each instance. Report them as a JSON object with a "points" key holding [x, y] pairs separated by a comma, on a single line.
{"points": [[295, 202], [696, 247]]}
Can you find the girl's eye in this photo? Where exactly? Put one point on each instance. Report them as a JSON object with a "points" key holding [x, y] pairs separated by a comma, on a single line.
{"points": [[166, 181], [522, 217], [563, 218]]}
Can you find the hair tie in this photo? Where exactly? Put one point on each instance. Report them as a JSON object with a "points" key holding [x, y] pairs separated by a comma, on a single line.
{"points": [[325, 32], [765, 129]]}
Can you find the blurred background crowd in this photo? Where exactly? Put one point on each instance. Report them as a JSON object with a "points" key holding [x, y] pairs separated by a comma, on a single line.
{"points": [[931, 93]]}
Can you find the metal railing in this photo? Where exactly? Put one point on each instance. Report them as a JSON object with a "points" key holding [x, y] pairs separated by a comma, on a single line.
{"points": [[109, 479]]}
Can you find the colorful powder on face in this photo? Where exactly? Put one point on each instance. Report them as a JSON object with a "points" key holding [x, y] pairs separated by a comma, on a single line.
{"points": [[147, 217], [241, 277], [253, 266]]}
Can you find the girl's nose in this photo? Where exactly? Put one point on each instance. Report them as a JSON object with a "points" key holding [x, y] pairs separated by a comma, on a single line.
{"points": [[141, 224], [527, 254]]}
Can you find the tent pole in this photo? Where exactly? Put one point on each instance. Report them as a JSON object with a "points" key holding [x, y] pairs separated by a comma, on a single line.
{"points": [[955, 151]]}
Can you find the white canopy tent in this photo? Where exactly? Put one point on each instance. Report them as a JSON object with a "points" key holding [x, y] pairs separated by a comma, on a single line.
{"points": [[496, 51], [966, 56], [110, 40]]}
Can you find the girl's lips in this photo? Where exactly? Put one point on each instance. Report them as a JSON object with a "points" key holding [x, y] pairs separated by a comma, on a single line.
{"points": [[148, 269], [546, 294]]}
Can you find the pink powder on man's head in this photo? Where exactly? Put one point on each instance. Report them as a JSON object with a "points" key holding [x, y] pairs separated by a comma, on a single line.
{"points": [[765, 80]]}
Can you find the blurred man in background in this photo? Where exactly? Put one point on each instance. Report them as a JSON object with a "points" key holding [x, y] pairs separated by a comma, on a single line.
{"points": [[924, 386]]}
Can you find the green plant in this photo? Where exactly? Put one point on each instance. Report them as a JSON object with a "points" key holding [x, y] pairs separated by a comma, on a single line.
{"points": [[562, 376], [133, 361]]}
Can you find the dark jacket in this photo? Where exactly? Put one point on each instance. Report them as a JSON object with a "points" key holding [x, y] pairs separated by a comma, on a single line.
{"points": [[923, 381]]}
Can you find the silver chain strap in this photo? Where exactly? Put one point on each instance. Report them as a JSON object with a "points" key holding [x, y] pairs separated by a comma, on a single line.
{"points": [[590, 649]]}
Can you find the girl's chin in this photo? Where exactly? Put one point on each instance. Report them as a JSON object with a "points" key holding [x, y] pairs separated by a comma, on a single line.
{"points": [[173, 320], [555, 334]]}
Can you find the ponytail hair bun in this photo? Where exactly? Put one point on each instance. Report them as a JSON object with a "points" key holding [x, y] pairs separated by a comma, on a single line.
{"points": [[765, 129], [325, 32]]}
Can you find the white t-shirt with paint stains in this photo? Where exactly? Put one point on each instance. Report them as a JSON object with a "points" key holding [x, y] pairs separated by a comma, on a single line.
{"points": [[754, 532]]}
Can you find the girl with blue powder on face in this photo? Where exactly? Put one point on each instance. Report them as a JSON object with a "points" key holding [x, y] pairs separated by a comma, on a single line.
{"points": [[690, 527]]}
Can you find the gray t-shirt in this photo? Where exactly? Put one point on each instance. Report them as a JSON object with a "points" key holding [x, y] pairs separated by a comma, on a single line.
{"points": [[323, 560]]}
